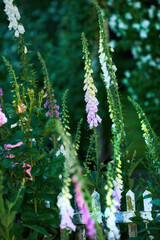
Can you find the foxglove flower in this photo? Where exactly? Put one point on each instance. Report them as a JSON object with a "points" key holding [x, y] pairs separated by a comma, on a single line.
{"points": [[86, 219], [25, 165], [9, 147], [113, 199], [13, 17], [103, 58], [10, 155], [55, 108], [108, 68], [3, 118], [1, 92], [114, 202], [90, 96], [28, 170], [113, 233], [66, 210]]}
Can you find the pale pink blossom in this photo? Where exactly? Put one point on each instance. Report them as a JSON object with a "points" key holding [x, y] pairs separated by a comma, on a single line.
{"points": [[83, 208], [10, 155], [3, 118], [27, 170], [10, 146]]}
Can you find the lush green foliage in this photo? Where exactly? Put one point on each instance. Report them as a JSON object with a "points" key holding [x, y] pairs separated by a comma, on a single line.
{"points": [[44, 165]]}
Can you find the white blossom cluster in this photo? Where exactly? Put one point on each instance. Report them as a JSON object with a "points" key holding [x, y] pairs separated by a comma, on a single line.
{"points": [[13, 16], [90, 97], [141, 27], [103, 61], [113, 199], [114, 233], [103, 58], [66, 210]]}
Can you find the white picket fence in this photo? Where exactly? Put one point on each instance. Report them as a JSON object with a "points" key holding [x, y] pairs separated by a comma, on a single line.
{"points": [[122, 216]]}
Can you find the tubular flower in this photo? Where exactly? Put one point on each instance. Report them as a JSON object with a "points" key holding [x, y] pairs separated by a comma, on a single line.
{"points": [[64, 205], [55, 107], [28, 170], [90, 96], [107, 69], [3, 118], [1, 92], [83, 208], [9, 147], [25, 165], [114, 202], [113, 199], [13, 17]]}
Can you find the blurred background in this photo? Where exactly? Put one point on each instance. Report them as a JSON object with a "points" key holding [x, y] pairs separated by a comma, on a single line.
{"points": [[54, 28]]}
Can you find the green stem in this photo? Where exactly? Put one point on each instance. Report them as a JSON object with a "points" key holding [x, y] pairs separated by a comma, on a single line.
{"points": [[35, 206], [54, 142], [7, 234], [2, 203], [30, 145], [97, 158], [1, 101]]}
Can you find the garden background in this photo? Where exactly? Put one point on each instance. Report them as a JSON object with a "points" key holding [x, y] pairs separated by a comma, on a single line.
{"points": [[54, 29]]}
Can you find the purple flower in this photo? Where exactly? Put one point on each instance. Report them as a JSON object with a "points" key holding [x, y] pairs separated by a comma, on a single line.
{"points": [[117, 193], [55, 108], [84, 209], [46, 104], [48, 114], [1, 92], [90, 96], [92, 104], [10, 155]]}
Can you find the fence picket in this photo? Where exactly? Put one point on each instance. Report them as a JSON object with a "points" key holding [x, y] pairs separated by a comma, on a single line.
{"points": [[122, 216], [147, 209], [131, 207]]}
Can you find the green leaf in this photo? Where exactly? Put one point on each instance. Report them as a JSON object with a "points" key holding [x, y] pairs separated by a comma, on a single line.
{"points": [[36, 171], [40, 157], [8, 219], [32, 236], [156, 202], [6, 163], [17, 137], [38, 229], [2, 232], [142, 230]]}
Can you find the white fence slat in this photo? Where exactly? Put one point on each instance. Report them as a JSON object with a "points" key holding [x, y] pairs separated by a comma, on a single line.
{"points": [[123, 217], [131, 207], [147, 201], [130, 200], [147, 209]]}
